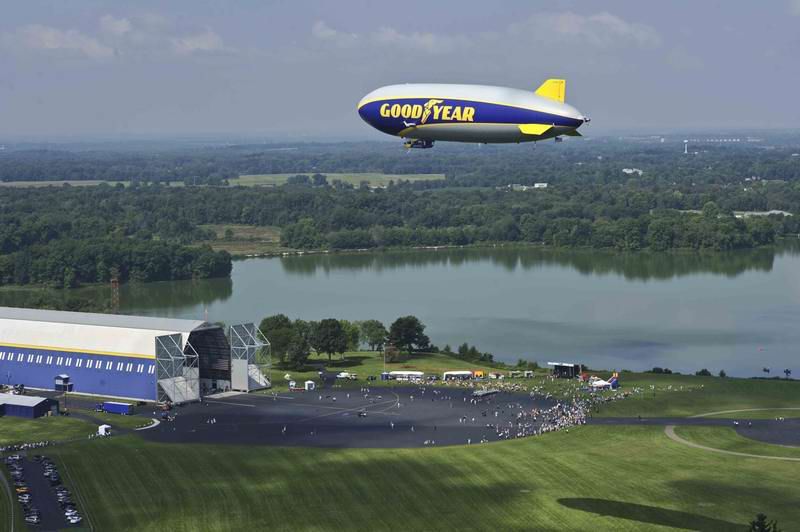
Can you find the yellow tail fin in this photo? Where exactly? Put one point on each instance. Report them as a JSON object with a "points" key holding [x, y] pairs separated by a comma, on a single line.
{"points": [[555, 89]]}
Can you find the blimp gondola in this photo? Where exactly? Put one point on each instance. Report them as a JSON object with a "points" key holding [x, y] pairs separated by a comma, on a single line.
{"points": [[425, 113]]}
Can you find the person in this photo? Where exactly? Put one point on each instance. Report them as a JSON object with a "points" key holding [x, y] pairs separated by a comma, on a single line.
{"points": [[391, 424]]}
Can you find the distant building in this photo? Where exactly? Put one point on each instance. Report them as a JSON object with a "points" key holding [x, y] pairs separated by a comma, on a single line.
{"points": [[748, 214], [26, 406], [128, 357], [630, 171], [522, 188]]}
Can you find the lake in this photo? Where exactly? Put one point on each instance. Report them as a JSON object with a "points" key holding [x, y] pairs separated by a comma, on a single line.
{"points": [[737, 311]]}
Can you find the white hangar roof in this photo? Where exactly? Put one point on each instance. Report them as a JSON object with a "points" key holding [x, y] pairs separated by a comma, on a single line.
{"points": [[84, 332]]}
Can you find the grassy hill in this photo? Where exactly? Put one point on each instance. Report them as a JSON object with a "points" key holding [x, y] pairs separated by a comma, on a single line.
{"points": [[592, 477]]}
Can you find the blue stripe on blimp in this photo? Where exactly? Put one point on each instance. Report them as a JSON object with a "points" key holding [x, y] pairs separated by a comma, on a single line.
{"points": [[113, 376], [482, 113]]}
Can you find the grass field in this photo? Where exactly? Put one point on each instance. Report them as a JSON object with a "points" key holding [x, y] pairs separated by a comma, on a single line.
{"points": [[590, 478], [728, 440], [246, 239], [374, 178], [18, 430], [366, 363], [685, 395], [600, 478]]}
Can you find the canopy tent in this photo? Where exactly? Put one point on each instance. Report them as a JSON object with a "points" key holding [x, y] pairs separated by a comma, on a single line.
{"points": [[448, 375]]}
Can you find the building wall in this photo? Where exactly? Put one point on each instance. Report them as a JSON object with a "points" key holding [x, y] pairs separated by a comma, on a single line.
{"points": [[109, 375]]}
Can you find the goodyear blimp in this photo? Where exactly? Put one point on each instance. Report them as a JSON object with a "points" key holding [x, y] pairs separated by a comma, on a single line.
{"points": [[424, 113]]}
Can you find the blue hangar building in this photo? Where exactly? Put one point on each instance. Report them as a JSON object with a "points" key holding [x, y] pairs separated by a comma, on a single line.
{"points": [[130, 357]]}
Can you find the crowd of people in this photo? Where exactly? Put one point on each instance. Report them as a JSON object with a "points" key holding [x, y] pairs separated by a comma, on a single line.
{"points": [[25, 446]]}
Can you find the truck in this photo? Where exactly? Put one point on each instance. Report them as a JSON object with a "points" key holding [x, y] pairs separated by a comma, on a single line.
{"points": [[112, 407]]}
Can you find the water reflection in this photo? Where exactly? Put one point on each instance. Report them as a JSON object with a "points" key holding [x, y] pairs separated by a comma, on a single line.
{"points": [[631, 266], [136, 297]]}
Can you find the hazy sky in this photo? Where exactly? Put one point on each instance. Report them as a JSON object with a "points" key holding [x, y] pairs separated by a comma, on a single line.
{"points": [[92, 67]]}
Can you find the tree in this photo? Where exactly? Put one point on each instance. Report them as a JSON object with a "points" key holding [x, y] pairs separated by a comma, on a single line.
{"points": [[328, 337], [391, 353], [373, 333], [278, 330], [408, 334], [352, 333], [722, 373], [760, 524], [703, 373], [297, 351]]}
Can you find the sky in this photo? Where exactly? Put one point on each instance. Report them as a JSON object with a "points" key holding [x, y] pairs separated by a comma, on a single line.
{"points": [[297, 69]]}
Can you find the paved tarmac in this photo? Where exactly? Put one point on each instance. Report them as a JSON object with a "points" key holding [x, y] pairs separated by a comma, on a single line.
{"points": [[391, 418]]}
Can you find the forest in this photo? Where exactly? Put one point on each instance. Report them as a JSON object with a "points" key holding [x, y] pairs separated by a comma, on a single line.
{"points": [[145, 230]]}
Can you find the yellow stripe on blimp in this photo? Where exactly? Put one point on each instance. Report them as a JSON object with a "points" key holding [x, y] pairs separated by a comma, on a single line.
{"points": [[534, 129], [80, 351]]}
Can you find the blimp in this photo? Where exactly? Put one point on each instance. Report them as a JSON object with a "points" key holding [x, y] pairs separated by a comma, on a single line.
{"points": [[425, 113]]}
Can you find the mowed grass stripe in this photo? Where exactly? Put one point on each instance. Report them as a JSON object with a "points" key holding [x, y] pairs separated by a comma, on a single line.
{"points": [[480, 487], [727, 439]]}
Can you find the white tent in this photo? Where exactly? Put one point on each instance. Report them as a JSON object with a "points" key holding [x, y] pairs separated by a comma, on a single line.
{"points": [[310, 386], [456, 375], [599, 384], [104, 430], [407, 375]]}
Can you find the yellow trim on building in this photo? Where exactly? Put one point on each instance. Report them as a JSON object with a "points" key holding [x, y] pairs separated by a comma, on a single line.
{"points": [[81, 351]]}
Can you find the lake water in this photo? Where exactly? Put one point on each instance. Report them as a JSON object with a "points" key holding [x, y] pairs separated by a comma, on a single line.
{"points": [[736, 311]]}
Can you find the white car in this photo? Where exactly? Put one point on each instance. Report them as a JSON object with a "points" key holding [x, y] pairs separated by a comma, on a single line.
{"points": [[74, 520]]}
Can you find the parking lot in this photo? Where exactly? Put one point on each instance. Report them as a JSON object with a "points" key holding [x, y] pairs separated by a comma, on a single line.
{"points": [[45, 503]]}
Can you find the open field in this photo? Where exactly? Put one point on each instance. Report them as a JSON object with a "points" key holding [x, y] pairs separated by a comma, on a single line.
{"points": [[688, 395], [600, 478], [375, 179], [728, 440], [18, 430], [245, 239], [366, 363]]}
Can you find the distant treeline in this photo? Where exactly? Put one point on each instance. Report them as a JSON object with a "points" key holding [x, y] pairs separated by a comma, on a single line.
{"points": [[65, 235], [69, 263], [599, 161]]}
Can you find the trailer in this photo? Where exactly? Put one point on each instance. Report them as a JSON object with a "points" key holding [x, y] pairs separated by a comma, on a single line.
{"points": [[113, 407]]}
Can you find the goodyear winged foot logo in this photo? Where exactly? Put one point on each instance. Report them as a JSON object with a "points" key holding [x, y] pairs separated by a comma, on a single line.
{"points": [[433, 108]]}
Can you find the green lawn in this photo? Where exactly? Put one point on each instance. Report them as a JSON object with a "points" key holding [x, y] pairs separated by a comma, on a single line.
{"points": [[598, 478], [685, 395], [374, 178], [590, 478], [366, 363], [727, 439], [245, 239], [17, 430]]}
